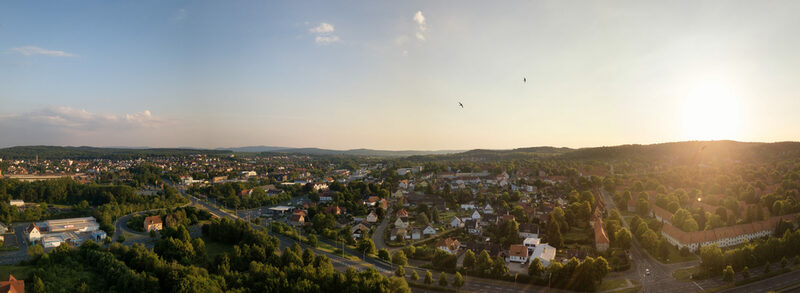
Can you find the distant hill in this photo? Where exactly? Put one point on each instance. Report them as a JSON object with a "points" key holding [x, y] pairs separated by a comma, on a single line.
{"points": [[691, 151], [354, 152], [85, 152]]}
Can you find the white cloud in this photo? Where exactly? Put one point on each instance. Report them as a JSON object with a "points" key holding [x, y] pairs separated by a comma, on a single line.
{"points": [[69, 118], [324, 32], [422, 27], [66, 125], [324, 40], [33, 50], [322, 28]]}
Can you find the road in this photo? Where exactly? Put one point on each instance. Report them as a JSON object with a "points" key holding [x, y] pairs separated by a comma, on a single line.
{"points": [[379, 235], [774, 283], [12, 257]]}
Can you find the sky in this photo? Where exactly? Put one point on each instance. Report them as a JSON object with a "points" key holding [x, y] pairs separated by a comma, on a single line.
{"points": [[390, 74]]}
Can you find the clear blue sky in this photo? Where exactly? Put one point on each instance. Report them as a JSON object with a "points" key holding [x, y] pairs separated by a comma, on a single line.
{"points": [[389, 75]]}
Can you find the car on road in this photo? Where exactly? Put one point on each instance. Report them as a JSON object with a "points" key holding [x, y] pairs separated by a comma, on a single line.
{"points": [[647, 272]]}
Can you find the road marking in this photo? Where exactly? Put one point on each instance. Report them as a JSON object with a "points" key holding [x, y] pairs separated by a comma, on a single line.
{"points": [[698, 285]]}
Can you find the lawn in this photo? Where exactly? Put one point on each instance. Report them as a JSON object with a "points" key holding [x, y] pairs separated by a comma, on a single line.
{"points": [[612, 284], [676, 257], [684, 274], [19, 272], [577, 235]]}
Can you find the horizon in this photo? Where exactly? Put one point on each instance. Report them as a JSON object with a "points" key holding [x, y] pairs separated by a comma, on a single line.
{"points": [[390, 76], [279, 148]]}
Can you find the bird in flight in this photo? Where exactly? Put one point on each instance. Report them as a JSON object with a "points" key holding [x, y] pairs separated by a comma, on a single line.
{"points": [[524, 80], [460, 104]]}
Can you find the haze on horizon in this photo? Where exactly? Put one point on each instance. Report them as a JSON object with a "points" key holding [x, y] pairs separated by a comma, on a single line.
{"points": [[380, 75]]}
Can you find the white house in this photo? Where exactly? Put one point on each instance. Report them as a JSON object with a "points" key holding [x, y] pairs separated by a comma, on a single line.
{"points": [[476, 215], [545, 253], [488, 209], [455, 222], [33, 233], [429, 230], [399, 223], [467, 206], [416, 234], [518, 253], [372, 217], [531, 243], [449, 245], [17, 203], [359, 230]]}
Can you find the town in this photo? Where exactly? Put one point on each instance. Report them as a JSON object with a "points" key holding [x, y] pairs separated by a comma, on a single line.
{"points": [[530, 220]]}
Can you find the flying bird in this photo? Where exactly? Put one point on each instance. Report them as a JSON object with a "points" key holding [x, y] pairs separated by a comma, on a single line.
{"points": [[524, 80], [460, 104]]}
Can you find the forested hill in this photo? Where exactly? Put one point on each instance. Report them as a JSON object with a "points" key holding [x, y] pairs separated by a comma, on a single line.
{"points": [[691, 151], [83, 152]]}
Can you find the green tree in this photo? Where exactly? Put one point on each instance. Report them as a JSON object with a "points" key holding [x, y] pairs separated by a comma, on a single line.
{"points": [[484, 263], [535, 269], [711, 257], [428, 277], [398, 285], [727, 274], [384, 254], [400, 272], [442, 279], [312, 240], [399, 258], [746, 272], [623, 238], [469, 260], [365, 245], [414, 276], [38, 285], [458, 280], [784, 262]]}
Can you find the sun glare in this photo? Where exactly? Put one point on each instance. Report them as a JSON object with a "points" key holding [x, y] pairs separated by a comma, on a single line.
{"points": [[711, 112]]}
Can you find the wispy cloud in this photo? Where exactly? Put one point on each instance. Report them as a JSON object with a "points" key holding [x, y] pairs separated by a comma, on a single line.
{"points": [[324, 34], [68, 118], [421, 25], [180, 15], [33, 50]]}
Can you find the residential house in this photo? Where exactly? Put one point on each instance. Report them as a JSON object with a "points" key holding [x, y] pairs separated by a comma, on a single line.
{"points": [[467, 206], [17, 203], [416, 234], [402, 213], [476, 215], [508, 217], [359, 230], [33, 233], [545, 253], [326, 196], [429, 230], [455, 222], [400, 233], [153, 223], [488, 209], [531, 242], [333, 210], [528, 230], [297, 220], [518, 253], [449, 245], [399, 223], [372, 217], [3, 228], [246, 192], [601, 241], [12, 285], [473, 227]]}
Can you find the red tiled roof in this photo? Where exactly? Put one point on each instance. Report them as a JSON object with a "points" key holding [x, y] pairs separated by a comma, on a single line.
{"points": [[518, 250], [12, 285], [152, 220]]}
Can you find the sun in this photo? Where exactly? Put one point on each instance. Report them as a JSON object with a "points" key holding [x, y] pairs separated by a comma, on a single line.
{"points": [[711, 112]]}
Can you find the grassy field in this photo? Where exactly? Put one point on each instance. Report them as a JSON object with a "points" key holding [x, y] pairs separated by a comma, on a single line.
{"points": [[19, 272], [676, 257], [612, 284], [684, 274]]}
